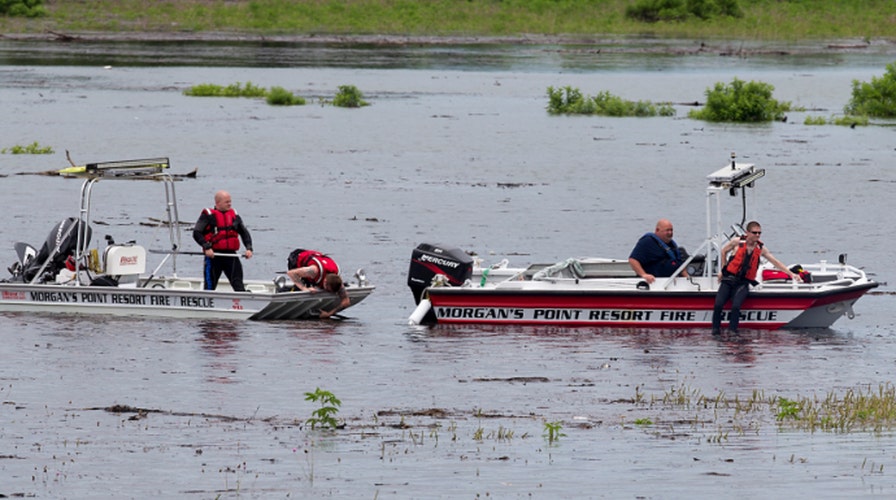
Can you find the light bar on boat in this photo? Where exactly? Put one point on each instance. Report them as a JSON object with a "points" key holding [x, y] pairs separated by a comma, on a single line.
{"points": [[149, 166], [735, 175]]}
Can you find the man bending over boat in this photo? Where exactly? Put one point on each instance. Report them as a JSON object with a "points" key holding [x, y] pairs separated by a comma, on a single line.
{"points": [[656, 255], [739, 272], [219, 229], [310, 269]]}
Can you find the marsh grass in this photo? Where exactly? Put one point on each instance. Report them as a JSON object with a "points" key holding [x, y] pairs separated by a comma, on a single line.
{"points": [[233, 90], [761, 20], [865, 409]]}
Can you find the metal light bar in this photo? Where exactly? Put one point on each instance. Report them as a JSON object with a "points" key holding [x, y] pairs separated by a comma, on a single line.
{"points": [[147, 166]]}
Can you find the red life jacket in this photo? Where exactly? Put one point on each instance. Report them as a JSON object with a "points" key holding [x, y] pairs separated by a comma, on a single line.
{"points": [[325, 265], [734, 265], [222, 235]]}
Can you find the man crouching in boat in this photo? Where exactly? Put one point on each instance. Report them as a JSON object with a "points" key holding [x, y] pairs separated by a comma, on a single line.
{"points": [[310, 269], [219, 229], [656, 255]]}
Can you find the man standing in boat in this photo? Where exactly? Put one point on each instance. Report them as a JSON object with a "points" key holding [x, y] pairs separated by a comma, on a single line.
{"points": [[219, 229], [656, 255], [739, 272]]}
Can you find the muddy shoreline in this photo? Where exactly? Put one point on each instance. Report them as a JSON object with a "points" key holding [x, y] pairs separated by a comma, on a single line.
{"points": [[608, 44]]}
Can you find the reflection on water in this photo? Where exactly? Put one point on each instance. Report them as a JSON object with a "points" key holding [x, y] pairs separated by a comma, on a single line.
{"points": [[646, 54]]}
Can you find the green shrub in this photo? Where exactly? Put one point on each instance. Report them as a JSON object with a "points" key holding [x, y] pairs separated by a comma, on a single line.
{"points": [[22, 8], [279, 96], [815, 120], [877, 98], [741, 101], [652, 11], [571, 101], [348, 96]]}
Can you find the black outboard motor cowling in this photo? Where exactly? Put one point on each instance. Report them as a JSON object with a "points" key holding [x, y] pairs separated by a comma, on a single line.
{"points": [[63, 235], [428, 260]]}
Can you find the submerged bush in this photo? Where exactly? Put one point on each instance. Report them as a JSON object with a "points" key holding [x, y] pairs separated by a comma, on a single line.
{"points": [[279, 96], [348, 96], [877, 98], [570, 101], [652, 11], [741, 101]]}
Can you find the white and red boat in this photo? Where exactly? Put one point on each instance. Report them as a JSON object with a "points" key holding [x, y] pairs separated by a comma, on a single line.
{"points": [[451, 286]]}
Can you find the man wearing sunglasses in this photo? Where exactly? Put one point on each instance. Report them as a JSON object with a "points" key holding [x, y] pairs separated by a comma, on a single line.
{"points": [[739, 272]]}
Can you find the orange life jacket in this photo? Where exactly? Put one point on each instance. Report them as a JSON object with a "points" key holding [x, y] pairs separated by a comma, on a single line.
{"points": [[736, 264]]}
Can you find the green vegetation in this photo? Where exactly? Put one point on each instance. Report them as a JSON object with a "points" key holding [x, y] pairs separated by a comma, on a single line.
{"points": [[568, 100], [741, 101], [653, 11], [877, 99], [232, 90], [325, 416], [22, 8], [348, 96], [761, 19], [845, 121], [857, 410], [32, 149], [552, 431], [279, 96]]}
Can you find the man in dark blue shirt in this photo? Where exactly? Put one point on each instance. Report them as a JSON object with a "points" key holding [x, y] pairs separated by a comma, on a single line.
{"points": [[656, 254]]}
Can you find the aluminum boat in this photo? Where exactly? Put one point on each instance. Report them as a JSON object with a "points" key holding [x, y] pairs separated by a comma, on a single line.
{"points": [[68, 275]]}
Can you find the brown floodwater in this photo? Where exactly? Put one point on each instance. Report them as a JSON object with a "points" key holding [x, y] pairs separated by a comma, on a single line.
{"points": [[456, 147]]}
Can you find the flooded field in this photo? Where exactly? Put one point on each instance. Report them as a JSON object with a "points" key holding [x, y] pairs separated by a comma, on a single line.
{"points": [[455, 148]]}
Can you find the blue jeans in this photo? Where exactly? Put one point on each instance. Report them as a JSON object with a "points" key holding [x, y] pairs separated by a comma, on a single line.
{"points": [[736, 290]]}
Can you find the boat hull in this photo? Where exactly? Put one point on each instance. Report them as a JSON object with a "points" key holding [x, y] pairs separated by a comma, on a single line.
{"points": [[178, 301], [767, 310]]}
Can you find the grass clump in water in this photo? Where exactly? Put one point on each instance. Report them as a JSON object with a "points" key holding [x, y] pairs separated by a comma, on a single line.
{"points": [[31, 149], [844, 121], [740, 101], [571, 101], [232, 90]]}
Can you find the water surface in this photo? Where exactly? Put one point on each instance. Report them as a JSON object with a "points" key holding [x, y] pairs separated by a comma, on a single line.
{"points": [[456, 148]]}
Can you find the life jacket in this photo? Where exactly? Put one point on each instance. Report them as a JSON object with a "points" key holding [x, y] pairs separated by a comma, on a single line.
{"points": [[736, 266], [222, 234], [303, 258]]}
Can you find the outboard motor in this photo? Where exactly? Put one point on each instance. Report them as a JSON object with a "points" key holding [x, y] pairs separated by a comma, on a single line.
{"points": [[64, 236], [429, 260]]}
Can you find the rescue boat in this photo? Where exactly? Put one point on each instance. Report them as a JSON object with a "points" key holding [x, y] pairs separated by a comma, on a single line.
{"points": [[66, 275], [452, 287]]}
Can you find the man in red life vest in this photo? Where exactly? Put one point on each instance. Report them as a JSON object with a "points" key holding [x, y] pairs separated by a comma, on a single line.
{"points": [[219, 229], [739, 273], [312, 271]]}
